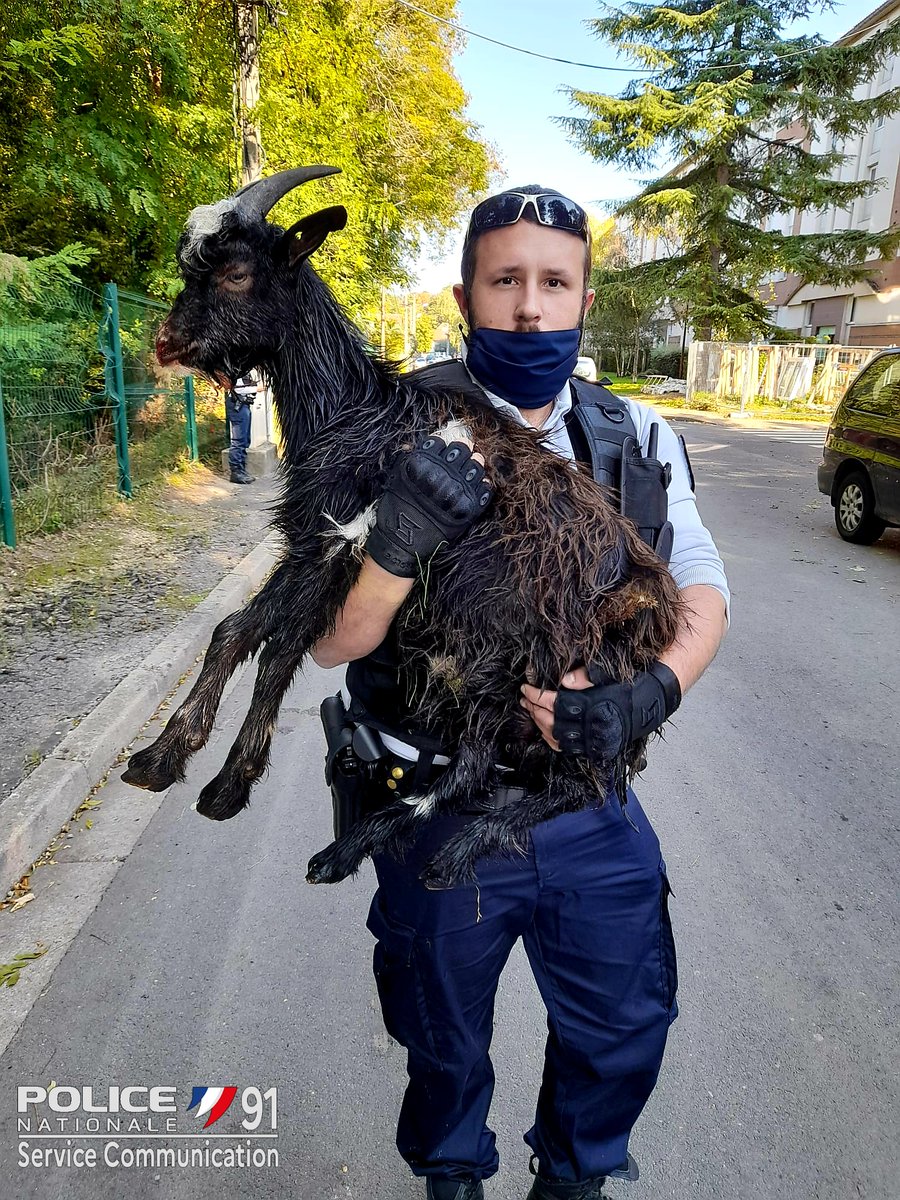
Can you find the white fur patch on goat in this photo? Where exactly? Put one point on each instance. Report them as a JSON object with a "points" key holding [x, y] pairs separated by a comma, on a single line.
{"points": [[454, 431], [204, 221], [351, 535], [422, 805]]}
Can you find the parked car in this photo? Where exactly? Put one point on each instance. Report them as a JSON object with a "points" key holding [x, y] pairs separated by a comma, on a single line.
{"points": [[860, 469], [586, 368]]}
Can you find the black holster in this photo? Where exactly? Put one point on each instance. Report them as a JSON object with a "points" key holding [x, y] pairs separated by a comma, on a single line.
{"points": [[351, 760]]}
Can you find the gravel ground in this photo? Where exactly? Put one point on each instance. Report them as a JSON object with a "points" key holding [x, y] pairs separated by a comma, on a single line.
{"points": [[80, 609]]}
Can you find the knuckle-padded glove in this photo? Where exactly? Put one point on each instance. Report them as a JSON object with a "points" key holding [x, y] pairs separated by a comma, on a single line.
{"points": [[601, 722], [434, 494]]}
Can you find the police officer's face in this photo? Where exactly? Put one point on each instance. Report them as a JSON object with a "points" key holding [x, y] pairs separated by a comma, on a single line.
{"points": [[528, 279]]}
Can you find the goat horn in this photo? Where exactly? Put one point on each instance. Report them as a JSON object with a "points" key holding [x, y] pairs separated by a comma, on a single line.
{"points": [[259, 197]]}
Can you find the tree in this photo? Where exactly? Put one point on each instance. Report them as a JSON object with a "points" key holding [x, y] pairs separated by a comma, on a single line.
{"points": [[368, 86], [621, 322], [117, 117], [114, 114], [445, 311], [723, 84], [426, 332]]}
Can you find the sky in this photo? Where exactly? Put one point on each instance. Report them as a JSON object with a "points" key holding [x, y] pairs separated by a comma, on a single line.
{"points": [[513, 98]]}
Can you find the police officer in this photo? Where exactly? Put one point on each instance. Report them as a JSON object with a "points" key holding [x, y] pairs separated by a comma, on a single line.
{"points": [[589, 896], [238, 412]]}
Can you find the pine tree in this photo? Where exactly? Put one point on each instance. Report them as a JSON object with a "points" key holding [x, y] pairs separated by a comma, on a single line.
{"points": [[723, 84]]}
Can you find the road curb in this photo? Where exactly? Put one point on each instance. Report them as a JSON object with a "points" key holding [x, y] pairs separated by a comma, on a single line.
{"points": [[32, 814], [735, 420]]}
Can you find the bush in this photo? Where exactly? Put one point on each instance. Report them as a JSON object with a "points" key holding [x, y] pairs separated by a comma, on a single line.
{"points": [[666, 362]]}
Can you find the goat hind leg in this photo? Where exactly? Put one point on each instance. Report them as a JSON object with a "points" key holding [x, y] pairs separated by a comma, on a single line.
{"points": [[471, 773], [234, 639], [503, 832], [384, 831]]}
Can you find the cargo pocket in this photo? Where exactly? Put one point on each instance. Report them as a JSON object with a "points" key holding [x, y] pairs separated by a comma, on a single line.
{"points": [[668, 963], [399, 982]]}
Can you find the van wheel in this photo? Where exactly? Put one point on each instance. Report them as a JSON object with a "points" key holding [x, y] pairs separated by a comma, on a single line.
{"points": [[854, 511]]}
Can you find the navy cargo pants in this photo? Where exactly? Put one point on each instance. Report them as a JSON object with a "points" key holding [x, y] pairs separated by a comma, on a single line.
{"points": [[239, 416], [590, 902]]}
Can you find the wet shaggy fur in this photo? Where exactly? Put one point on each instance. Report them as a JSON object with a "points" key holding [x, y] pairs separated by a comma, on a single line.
{"points": [[549, 577]]}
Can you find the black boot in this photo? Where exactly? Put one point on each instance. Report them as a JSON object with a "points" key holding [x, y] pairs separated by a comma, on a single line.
{"points": [[453, 1189], [549, 1189], [241, 476], [588, 1189]]}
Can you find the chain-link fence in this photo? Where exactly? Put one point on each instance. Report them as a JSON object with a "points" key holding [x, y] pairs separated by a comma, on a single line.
{"points": [[86, 414], [159, 404], [60, 456]]}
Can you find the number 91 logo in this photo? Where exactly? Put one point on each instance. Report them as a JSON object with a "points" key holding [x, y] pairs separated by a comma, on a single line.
{"points": [[258, 1106]]}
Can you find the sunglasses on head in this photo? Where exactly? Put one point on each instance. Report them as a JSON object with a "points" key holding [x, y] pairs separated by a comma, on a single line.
{"points": [[549, 207]]}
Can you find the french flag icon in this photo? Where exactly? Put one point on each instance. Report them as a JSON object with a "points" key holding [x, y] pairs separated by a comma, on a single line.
{"points": [[213, 1100]]}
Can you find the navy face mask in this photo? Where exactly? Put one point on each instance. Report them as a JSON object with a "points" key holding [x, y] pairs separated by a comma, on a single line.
{"points": [[527, 369]]}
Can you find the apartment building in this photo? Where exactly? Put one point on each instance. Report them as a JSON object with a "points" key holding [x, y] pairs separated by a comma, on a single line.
{"points": [[866, 313]]}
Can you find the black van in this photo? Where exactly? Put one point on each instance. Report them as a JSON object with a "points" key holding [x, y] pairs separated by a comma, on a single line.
{"points": [[860, 469]]}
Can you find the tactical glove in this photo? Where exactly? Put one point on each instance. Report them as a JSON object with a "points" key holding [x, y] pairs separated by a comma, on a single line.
{"points": [[433, 495], [601, 722]]}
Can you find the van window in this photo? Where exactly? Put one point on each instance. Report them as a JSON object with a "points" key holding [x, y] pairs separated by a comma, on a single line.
{"points": [[878, 390]]}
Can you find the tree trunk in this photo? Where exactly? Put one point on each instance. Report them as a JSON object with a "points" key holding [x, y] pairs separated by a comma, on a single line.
{"points": [[246, 25], [637, 352]]}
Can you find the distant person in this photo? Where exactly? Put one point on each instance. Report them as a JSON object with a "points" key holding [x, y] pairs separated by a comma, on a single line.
{"points": [[238, 412]]}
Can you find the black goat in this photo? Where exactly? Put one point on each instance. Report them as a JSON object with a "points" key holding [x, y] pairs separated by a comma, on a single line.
{"points": [[549, 577]]}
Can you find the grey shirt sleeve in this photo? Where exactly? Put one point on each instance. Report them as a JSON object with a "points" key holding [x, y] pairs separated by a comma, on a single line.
{"points": [[695, 558]]}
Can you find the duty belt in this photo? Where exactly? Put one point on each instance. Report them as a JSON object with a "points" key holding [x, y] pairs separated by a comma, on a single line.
{"points": [[399, 776]]}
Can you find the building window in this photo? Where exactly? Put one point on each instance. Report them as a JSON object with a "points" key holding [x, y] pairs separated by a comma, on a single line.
{"points": [[866, 210], [877, 135]]}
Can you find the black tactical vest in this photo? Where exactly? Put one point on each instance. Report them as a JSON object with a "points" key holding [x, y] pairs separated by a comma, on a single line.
{"points": [[603, 435]]}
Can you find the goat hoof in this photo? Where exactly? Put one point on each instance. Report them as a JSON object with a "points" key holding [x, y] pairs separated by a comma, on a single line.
{"points": [[325, 867], [144, 772], [436, 881], [223, 798], [440, 876]]}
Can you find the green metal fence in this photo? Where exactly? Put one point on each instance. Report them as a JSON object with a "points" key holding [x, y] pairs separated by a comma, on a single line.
{"points": [[86, 415]]}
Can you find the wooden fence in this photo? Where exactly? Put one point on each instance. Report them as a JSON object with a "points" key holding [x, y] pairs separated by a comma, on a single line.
{"points": [[791, 375]]}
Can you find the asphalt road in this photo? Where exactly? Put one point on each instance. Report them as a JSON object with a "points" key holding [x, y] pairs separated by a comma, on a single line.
{"points": [[209, 961]]}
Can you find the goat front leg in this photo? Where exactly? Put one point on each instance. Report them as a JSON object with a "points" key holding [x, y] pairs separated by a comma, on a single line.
{"points": [[235, 639], [229, 792]]}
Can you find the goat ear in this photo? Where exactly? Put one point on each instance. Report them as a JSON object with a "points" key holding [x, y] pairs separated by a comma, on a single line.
{"points": [[308, 234]]}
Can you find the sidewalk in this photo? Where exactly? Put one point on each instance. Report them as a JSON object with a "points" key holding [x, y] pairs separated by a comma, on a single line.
{"points": [[81, 607], [32, 815]]}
